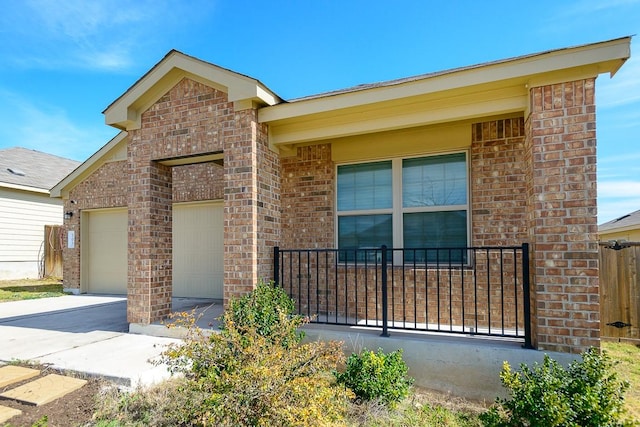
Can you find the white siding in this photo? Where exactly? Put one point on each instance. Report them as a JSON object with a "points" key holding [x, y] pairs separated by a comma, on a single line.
{"points": [[23, 216]]}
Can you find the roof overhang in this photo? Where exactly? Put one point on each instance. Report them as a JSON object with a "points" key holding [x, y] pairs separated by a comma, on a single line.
{"points": [[461, 94], [630, 227], [103, 155], [126, 111], [19, 187]]}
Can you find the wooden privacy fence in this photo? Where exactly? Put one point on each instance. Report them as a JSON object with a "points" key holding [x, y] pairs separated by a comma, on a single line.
{"points": [[53, 241], [620, 291]]}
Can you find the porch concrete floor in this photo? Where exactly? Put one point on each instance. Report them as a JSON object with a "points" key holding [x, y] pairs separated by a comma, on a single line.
{"points": [[206, 311]]}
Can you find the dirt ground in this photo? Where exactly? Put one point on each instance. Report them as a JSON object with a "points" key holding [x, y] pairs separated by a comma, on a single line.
{"points": [[72, 410]]}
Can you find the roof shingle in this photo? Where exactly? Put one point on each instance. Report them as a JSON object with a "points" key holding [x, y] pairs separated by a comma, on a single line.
{"points": [[33, 168]]}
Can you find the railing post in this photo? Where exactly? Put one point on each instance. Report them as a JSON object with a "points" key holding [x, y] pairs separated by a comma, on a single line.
{"points": [[276, 264], [526, 295], [385, 330]]}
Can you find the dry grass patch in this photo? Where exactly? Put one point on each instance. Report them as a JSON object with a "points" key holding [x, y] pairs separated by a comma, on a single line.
{"points": [[423, 407]]}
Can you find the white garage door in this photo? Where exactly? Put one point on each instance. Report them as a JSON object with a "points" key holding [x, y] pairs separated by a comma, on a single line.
{"points": [[105, 251], [198, 250]]}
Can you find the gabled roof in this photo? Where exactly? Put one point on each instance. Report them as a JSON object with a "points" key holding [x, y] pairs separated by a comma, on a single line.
{"points": [[626, 222], [32, 170], [125, 112]]}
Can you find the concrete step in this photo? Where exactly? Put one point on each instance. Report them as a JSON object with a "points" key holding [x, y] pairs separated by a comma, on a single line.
{"points": [[6, 413], [14, 374], [44, 390]]}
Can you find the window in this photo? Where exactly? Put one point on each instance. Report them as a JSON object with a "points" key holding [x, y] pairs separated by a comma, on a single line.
{"points": [[405, 203]]}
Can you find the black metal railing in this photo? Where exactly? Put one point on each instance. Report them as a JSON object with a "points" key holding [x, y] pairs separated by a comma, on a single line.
{"points": [[470, 290]]}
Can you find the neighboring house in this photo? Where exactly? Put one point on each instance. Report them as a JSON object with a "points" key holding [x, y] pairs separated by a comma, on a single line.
{"points": [[627, 228], [212, 170], [26, 176]]}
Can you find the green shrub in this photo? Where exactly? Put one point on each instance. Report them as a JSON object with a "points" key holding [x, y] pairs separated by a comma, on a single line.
{"points": [[261, 309], [255, 372], [377, 376], [588, 393]]}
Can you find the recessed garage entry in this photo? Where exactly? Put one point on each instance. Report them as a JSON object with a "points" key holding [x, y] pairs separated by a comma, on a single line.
{"points": [[104, 251], [198, 249]]}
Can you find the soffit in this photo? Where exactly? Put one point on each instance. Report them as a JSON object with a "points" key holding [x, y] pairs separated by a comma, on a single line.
{"points": [[487, 89], [125, 112]]}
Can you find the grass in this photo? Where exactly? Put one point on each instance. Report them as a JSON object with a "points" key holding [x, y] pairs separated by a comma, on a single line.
{"points": [[628, 368], [422, 408], [24, 289]]}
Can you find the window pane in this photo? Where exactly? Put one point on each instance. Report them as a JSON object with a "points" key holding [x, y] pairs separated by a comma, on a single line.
{"points": [[435, 230], [364, 186], [364, 231], [434, 181]]}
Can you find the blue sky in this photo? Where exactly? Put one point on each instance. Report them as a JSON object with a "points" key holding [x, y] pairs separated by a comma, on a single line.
{"points": [[62, 62]]}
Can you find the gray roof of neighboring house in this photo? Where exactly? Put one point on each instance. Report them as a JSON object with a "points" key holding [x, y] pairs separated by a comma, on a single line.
{"points": [[31, 168], [628, 220]]}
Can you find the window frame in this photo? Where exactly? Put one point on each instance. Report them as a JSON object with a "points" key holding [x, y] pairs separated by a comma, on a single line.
{"points": [[397, 210]]}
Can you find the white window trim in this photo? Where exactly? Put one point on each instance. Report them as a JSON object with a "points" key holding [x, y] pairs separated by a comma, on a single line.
{"points": [[398, 210]]}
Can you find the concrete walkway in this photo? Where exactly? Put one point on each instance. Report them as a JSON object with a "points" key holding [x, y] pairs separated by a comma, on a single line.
{"points": [[81, 333]]}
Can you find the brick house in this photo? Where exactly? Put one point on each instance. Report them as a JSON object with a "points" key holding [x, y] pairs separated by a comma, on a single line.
{"points": [[212, 170]]}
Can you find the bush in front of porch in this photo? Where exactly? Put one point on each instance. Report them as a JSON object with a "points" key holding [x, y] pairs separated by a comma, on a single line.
{"points": [[256, 372], [587, 393]]}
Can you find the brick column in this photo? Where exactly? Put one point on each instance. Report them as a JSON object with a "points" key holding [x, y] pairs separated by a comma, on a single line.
{"points": [[560, 154], [149, 287], [268, 208], [71, 256], [240, 207], [251, 205]]}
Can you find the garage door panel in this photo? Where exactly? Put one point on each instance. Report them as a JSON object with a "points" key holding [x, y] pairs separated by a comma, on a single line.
{"points": [[198, 250], [106, 253]]}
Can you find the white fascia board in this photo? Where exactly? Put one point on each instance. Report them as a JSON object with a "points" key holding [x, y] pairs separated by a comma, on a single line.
{"points": [[23, 188], [125, 112], [608, 55], [631, 227]]}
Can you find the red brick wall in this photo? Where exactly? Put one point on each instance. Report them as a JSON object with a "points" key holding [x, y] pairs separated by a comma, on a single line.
{"points": [[498, 183], [268, 202], [104, 188], [240, 224], [204, 181], [561, 151], [149, 277], [252, 205], [191, 118], [308, 198]]}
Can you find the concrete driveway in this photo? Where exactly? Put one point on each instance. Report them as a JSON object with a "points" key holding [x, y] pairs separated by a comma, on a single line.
{"points": [[80, 333]]}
